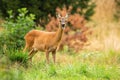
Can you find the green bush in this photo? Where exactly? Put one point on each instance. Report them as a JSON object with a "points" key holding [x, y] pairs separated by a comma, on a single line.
{"points": [[15, 29], [17, 56]]}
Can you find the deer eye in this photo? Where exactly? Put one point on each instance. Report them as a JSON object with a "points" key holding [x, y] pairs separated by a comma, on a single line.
{"points": [[60, 21]]}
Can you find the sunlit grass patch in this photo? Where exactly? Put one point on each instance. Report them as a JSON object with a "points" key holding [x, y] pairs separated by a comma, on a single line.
{"points": [[11, 74], [105, 36], [84, 65], [72, 71]]}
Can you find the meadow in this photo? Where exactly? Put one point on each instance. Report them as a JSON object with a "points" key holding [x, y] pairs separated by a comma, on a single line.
{"points": [[85, 65], [98, 60]]}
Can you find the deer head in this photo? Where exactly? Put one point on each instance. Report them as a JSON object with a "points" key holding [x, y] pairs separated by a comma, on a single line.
{"points": [[62, 20]]}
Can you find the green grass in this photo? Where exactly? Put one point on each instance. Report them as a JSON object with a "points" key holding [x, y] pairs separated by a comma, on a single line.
{"points": [[85, 65]]}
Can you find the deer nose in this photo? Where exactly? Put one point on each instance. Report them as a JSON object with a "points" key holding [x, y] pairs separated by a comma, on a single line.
{"points": [[63, 25]]}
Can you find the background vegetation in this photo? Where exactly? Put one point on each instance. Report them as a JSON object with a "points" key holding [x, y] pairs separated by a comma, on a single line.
{"points": [[99, 58], [15, 30], [42, 8]]}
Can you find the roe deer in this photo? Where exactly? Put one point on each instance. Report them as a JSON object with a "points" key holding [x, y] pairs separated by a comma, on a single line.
{"points": [[37, 40]]}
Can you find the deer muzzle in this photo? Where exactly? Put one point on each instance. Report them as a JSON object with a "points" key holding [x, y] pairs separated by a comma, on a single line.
{"points": [[63, 25]]}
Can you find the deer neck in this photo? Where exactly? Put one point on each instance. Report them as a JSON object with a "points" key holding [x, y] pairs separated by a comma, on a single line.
{"points": [[58, 35]]}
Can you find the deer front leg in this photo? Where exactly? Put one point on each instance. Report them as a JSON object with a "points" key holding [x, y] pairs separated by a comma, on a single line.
{"points": [[47, 57], [54, 56]]}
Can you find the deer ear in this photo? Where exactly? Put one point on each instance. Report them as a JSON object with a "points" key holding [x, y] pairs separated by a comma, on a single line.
{"points": [[58, 15], [67, 15]]}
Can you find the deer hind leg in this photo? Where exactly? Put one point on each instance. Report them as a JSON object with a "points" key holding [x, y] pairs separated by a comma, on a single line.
{"points": [[54, 56], [29, 44], [32, 53], [47, 57], [26, 47]]}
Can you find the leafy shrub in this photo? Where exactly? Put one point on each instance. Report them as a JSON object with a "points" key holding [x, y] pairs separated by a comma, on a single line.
{"points": [[17, 56], [15, 29]]}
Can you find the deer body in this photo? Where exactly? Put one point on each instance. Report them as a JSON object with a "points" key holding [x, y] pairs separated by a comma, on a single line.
{"points": [[41, 40], [37, 40]]}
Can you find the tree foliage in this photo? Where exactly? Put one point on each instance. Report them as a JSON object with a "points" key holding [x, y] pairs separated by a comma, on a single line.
{"points": [[41, 8]]}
